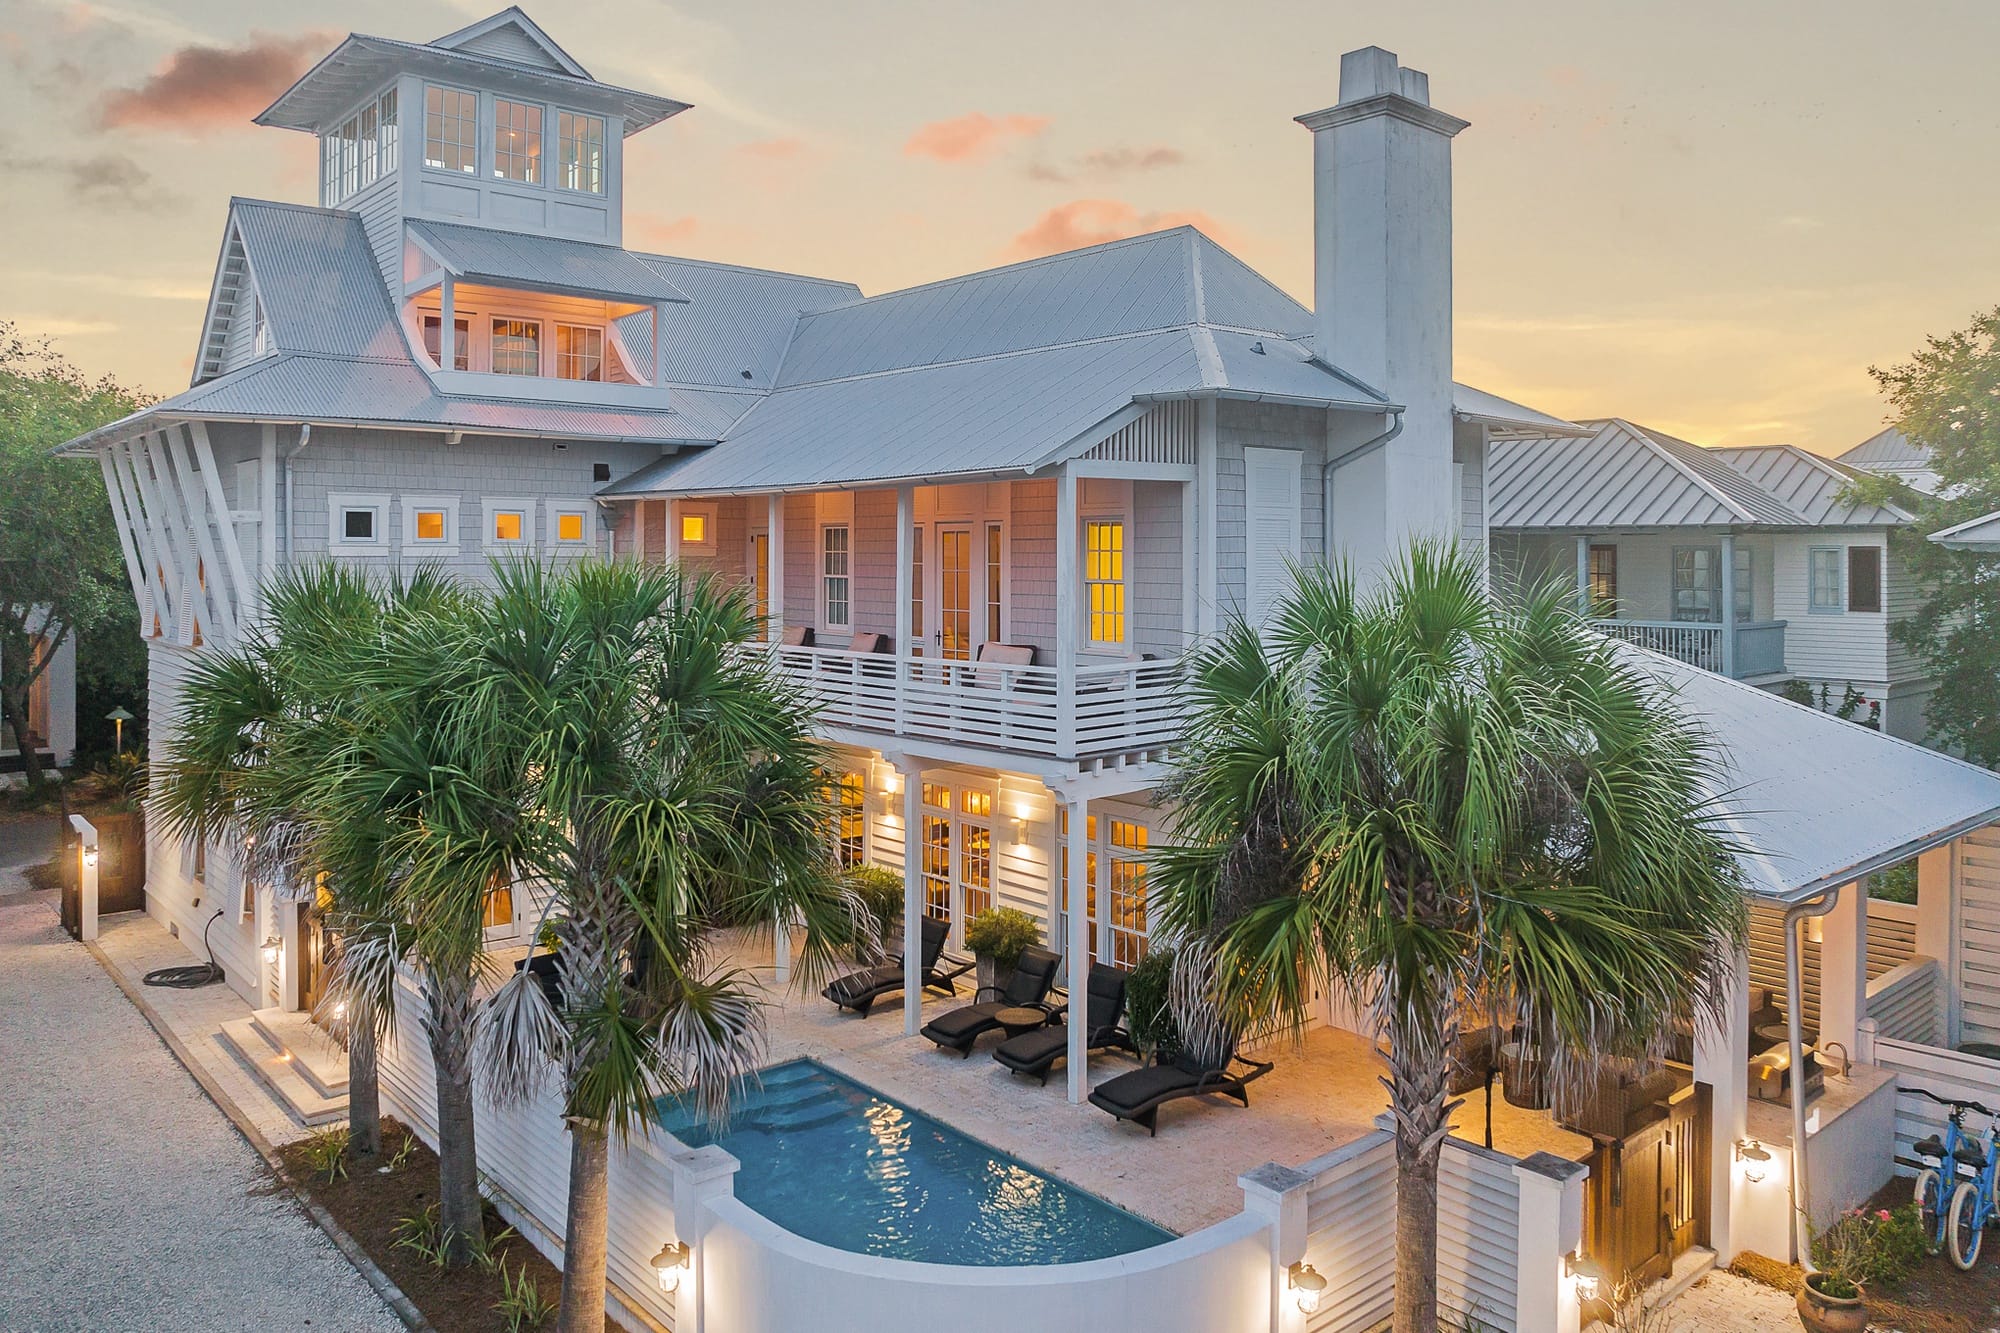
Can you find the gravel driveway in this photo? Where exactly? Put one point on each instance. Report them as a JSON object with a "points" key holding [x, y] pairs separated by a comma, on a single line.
{"points": [[127, 1200]]}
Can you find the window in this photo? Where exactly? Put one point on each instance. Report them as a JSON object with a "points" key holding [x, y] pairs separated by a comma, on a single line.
{"points": [[385, 131], [461, 341], [579, 352], [1089, 878], [1104, 581], [517, 141], [356, 520], [430, 525], [995, 573], [1697, 584], [1128, 893], [1604, 580], [517, 347], [451, 129], [1864, 578], [582, 151], [510, 522], [371, 160], [936, 859], [360, 152], [833, 576], [1823, 580], [1746, 584], [917, 588], [760, 573], [850, 797], [975, 853], [507, 526], [350, 156], [569, 525], [697, 530]]}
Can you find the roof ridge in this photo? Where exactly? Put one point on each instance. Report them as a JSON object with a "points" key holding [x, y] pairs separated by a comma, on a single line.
{"points": [[317, 210], [983, 356], [743, 268], [1659, 443]]}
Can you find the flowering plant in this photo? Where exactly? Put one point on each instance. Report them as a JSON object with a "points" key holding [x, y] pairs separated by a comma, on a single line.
{"points": [[1871, 1246]]}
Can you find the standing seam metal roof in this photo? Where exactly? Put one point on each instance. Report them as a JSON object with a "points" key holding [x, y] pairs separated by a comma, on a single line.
{"points": [[1624, 476], [1809, 485], [543, 263]]}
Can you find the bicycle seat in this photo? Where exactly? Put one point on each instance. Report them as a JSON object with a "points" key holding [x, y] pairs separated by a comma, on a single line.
{"points": [[1930, 1147], [1970, 1156]]}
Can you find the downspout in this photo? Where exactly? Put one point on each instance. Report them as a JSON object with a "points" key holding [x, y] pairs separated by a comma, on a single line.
{"points": [[1795, 1039], [305, 438], [1326, 469]]}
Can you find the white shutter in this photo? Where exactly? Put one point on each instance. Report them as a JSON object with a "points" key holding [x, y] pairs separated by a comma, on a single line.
{"points": [[1270, 528]]}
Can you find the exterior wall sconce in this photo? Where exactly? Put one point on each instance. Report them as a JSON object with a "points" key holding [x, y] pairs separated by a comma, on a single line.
{"points": [[1756, 1159], [273, 946], [671, 1264], [1306, 1284], [90, 853], [892, 782], [1584, 1273]]}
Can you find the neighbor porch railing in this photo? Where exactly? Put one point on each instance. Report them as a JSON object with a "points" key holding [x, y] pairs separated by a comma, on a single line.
{"points": [[1760, 644], [1115, 707]]}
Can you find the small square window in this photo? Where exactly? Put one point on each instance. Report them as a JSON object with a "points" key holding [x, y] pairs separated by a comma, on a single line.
{"points": [[507, 525], [357, 525], [569, 527], [600, 472], [430, 525], [694, 529]]}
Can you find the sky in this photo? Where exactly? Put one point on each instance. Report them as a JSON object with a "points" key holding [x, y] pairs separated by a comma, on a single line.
{"points": [[1711, 218]]}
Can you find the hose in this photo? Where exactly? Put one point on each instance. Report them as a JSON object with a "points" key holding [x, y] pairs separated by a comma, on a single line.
{"points": [[195, 976]]}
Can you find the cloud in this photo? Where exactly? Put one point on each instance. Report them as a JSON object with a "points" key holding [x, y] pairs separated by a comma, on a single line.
{"points": [[774, 150], [1084, 222], [101, 180], [665, 231], [971, 137], [201, 88], [1108, 163]]}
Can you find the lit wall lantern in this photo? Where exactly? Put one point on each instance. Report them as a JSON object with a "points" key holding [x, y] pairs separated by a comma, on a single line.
{"points": [[273, 946], [671, 1263], [1756, 1159], [1584, 1273], [90, 853], [1306, 1285]]}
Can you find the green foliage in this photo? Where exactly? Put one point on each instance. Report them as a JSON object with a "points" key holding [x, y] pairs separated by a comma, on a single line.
{"points": [[326, 1152], [1878, 1247], [1946, 397], [425, 1236], [1148, 1015], [521, 1301], [59, 550], [548, 939], [880, 891], [1897, 884], [1798, 692], [401, 1157], [1002, 934], [489, 1254]]}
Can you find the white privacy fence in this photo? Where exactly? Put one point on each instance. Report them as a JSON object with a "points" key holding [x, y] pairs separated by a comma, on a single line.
{"points": [[1907, 1002], [1916, 1065]]}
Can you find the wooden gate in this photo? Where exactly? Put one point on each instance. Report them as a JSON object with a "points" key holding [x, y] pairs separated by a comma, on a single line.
{"points": [[1647, 1199]]}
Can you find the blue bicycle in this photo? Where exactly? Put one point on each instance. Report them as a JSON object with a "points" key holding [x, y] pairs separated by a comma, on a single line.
{"points": [[1955, 1189]]}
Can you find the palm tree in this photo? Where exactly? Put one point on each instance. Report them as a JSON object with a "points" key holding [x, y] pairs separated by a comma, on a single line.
{"points": [[1439, 806], [680, 795]]}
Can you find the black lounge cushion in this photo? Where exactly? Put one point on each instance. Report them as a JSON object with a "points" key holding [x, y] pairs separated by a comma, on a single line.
{"points": [[1027, 988], [967, 1020], [1138, 1096], [1131, 1092], [1104, 1011], [859, 990], [1031, 1051]]}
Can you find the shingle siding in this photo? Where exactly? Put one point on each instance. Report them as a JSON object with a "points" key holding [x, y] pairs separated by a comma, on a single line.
{"points": [[1157, 581], [1262, 426], [1032, 540]]}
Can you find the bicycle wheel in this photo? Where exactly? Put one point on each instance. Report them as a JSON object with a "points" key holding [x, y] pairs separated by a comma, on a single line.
{"points": [[1962, 1236], [1930, 1198]]}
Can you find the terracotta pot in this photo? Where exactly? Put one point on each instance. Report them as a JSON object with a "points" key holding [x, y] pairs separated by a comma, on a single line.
{"points": [[1821, 1313]]}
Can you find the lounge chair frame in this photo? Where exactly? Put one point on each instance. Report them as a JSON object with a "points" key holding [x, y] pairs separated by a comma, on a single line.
{"points": [[1201, 1083]]}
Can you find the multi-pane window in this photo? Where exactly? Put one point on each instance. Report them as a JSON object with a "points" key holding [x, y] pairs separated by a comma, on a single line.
{"points": [[1823, 581], [360, 152], [1604, 580], [1696, 583], [935, 862], [1128, 893], [517, 347], [1746, 586], [993, 582], [1864, 578], [850, 796], [371, 161], [517, 141], [1104, 580], [451, 129], [917, 588], [461, 341], [385, 129], [582, 149], [975, 857], [834, 586], [579, 352], [1089, 877]]}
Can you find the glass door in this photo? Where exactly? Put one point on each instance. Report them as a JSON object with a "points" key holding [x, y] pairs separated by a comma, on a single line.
{"points": [[760, 576], [955, 583], [918, 595], [937, 852], [975, 853], [1089, 879]]}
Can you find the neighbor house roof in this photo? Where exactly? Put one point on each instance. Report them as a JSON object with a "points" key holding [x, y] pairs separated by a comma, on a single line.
{"points": [[1505, 416], [1623, 476], [1977, 534], [543, 263], [1892, 453], [1816, 802], [1810, 486]]}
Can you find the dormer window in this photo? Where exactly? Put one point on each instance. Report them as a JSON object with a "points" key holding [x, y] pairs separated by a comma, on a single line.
{"points": [[517, 142], [517, 347], [451, 129], [461, 341], [582, 151], [579, 352]]}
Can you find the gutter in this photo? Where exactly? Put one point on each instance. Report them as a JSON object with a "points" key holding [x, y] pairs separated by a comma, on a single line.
{"points": [[1354, 455], [1795, 1049], [305, 438]]}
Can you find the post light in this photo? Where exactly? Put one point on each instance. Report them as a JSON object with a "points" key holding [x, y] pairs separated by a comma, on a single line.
{"points": [[1584, 1273], [671, 1263], [1755, 1157], [1306, 1284], [90, 853], [273, 946], [118, 717]]}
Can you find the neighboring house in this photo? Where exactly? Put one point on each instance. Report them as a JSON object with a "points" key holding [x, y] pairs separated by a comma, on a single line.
{"points": [[1980, 534], [984, 517], [1890, 453], [1651, 529], [51, 709]]}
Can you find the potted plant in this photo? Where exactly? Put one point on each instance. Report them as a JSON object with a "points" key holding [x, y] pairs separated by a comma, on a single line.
{"points": [[1863, 1248], [997, 937], [1832, 1303], [881, 894], [1149, 1015]]}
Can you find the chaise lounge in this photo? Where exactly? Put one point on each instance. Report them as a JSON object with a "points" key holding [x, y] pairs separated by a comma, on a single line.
{"points": [[1028, 988], [1139, 1095], [1104, 1017], [859, 990]]}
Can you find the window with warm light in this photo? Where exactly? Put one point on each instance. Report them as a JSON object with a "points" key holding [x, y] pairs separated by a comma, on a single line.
{"points": [[694, 529], [569, 527], [517, 347], [451, 129], [507, 525], [579, 352], [1104, 581], [1128, 892], [430, 525], [517, 141], [995, 575], [851, 822], [582, 148]]}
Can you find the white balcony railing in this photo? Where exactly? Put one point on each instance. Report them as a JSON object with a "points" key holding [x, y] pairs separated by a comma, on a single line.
{"points": [[1760, 644], [1118, 707]]}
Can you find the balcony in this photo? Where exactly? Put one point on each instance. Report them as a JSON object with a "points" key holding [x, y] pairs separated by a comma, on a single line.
{"points": [[1113, 708], [1760, 644]]}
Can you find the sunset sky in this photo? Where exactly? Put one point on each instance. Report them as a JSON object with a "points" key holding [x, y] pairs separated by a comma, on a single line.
{"points": [[1708, 217]]}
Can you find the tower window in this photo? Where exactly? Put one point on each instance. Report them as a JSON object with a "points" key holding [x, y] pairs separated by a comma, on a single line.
{"points": [[579, 352], [451, 129], [517, 347], [461, 341], [582, 150], [517, 142]]}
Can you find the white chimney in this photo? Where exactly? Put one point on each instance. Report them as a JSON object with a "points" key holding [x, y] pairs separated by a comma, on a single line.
{"points": [[1382, 296]]}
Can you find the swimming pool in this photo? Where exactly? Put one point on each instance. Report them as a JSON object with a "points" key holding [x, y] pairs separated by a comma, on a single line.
{"points": [[836, 1162]]}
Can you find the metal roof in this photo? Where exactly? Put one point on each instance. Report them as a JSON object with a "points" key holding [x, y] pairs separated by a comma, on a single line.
{"points": [[1891, 453], [1501, 414], [1977, 534], [736, 319], [1623, 476], [1810, 486], [542, 263], [1816, 802], [317, 278]]}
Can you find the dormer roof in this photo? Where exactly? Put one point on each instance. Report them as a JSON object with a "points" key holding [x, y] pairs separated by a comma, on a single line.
{"points": [[550, 264]]}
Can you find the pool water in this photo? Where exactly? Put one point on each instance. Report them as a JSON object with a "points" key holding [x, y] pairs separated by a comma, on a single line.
{"points": [[833, 1161]]}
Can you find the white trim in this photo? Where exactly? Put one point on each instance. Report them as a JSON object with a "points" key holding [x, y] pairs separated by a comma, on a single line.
{"points": [[340, 503], [412, 544], [494, 505], [557, 511], [703, 510]]}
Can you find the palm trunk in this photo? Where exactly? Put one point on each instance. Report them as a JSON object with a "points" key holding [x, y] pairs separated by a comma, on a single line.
{"points": [[16, 714], [364, 1093], [584, 1236], [460, 1211], [1417, 1101]]}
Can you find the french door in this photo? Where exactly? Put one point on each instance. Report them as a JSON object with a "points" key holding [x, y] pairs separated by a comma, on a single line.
{"points": [[957, 854], [954, 599]]}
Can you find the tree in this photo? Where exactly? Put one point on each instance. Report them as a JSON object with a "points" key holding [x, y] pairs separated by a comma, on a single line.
{"points": [[61, 572], [679, 794], [1439, 807], [1946, 398]]}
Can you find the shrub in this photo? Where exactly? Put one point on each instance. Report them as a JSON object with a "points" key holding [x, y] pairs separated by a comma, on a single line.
{"points": [[521, 1301], [1797, 691], [1877, 1247], [1147, 1011], [1002, 934], [1897, 884], [326, 1152], [424, 1235], [880, 891]]}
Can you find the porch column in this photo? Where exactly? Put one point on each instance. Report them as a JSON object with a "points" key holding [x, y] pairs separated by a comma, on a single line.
{"points": [[1721, 1065], [1069, 610], [906, 519], [1076, 949], [670, 523], [910, 773], [1937, 919], [267, 513], [1205, 446], [1729, 607], [1583, 575], [1843, 968], [447, 325], [774, 551]]}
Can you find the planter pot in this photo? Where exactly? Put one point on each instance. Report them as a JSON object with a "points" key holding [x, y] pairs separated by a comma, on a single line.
{"points": [[1821, 1313], [983, 970], [1523, 1081]]}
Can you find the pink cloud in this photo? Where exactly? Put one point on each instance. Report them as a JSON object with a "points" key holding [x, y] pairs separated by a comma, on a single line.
{"points": [[1105, 163], [200, 88], [971, 137], [1084, 222], [654, 231], [774, 150]]}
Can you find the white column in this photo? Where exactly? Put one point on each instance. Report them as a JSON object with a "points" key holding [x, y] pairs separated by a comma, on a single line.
{"points": [[1843, 968], [86, 852], [284, 922], [774, 551], [1277, 1194], [671, 524], [906, 519], [1729, 605], [1583, 574], [1078, 947], [1551, 1210], [1937, 917], [912, 777], [1069, 612], [1721, 1061], [700, 1175], [781, 949], [1206, 444]]}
